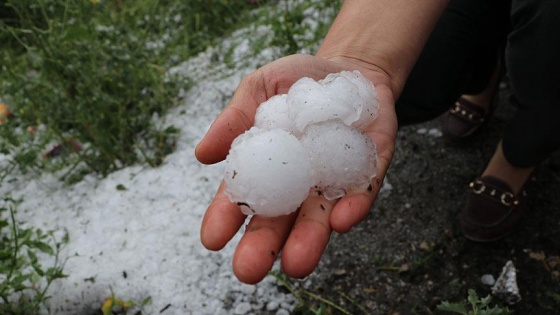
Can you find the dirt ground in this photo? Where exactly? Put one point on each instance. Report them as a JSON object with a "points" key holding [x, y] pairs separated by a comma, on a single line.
{"points": [[409, 254]]}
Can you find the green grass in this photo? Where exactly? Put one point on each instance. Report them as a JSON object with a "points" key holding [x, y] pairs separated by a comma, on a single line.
{"points": [[95, 73], [474, 305], [24, 281], [311, 303]]}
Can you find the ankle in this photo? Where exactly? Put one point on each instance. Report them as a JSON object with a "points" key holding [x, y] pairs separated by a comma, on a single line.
{"points": [[485, 98], [500, 168], [481, 100]]}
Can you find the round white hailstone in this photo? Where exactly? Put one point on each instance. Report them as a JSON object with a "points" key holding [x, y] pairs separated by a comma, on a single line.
{"points": [[343, 159], [267, 172], [368, 106], [310, 102], [273, 114]]}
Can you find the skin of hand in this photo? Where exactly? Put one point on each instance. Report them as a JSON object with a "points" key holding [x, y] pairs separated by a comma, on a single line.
{"points": [[399, 29], [302, 236]]}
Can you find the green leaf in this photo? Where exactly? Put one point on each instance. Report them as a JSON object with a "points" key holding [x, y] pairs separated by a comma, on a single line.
{"points": [[496, 310], [32, 256], [18, 283], [25, 235], [65, 238], [452, 307], [322, 310], [43, 247], [5, 254], [146, 301], [484, 302], [55, 273], [171, 130], [38, 269], [473, 298]]}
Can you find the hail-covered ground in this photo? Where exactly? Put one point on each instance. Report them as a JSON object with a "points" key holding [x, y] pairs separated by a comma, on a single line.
{"points": [[135, 233]]}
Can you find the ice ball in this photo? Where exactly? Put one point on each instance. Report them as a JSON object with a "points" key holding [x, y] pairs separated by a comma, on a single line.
{"points": [[267, 172], [367, 104], [343, 159], [311, 102], [273, 114]]}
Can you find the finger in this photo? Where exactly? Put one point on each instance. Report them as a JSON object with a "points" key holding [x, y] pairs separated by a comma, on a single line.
{"points": [[352, 209], [308, 238], [259, 247], [236, 118], [215, 145], [221, 221]]}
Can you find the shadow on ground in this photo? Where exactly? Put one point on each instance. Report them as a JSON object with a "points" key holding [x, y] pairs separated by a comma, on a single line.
{"points": [[409, 254]]}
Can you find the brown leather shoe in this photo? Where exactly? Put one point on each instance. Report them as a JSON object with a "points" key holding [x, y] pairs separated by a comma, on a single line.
{"points": [[492, 210], [462, 120]]}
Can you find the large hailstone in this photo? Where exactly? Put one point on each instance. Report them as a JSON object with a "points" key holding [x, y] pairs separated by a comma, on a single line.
{"points": [[273, 114], [366, 104], [343, 159], [311, 102], [347, 96], [307, 139], [267, 172]]}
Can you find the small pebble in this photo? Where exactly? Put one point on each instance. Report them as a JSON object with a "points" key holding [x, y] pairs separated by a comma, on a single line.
{"points": [[434, 132], [488, 279], [421, 131]]}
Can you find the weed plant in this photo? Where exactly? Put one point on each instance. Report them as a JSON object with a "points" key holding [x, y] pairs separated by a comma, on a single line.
{"points": [[24, 281], [474, 306], [95, 73], [295, 31], [310, 303]]}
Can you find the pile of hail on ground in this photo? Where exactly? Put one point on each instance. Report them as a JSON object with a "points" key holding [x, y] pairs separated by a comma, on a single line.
{"points": [[306, 141]]}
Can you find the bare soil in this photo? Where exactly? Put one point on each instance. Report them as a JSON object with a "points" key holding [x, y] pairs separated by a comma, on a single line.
{"points": [[409, 255]]}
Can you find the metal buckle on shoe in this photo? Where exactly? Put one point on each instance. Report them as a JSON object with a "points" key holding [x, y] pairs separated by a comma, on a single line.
{"points": [[457, 108], [467, 113], [477, 187], [507, 199]]}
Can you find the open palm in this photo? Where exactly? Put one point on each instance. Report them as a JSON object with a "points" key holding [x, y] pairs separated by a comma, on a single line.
{"points": [[303, 235]]}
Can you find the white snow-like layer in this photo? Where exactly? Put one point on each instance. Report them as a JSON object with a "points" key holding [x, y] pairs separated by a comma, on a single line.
{"points": [[150, 231]]}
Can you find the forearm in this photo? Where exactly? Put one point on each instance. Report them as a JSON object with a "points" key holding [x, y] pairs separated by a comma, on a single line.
{"points": [[385, 35]]}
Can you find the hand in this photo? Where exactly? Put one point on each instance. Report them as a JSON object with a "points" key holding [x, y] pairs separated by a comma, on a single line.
{"points": [[301, 236]]}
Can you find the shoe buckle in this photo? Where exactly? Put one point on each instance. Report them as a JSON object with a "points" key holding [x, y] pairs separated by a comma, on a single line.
{"points": [[507, 199], [477, 187], [456, 108]]}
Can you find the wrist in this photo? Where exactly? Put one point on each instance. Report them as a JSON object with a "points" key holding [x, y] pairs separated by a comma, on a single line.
{"points": [[384, 36]]}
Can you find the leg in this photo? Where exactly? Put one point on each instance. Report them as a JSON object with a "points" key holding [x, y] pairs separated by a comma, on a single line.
{"points": [[532, 59], [458, 58], [534, 69], [533, 132]]}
